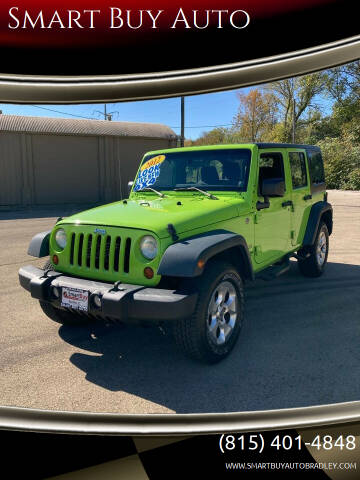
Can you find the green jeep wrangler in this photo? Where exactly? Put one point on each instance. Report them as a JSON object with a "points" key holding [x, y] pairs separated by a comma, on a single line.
{"points": [[198, 223]]}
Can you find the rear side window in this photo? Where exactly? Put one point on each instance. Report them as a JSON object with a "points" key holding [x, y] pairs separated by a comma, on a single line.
{"points": [[298, 169], [316, 167]]}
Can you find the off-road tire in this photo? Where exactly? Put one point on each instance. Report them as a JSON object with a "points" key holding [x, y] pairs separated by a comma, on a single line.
{"points": [[193, 334], [314, 265], [58, 315]]}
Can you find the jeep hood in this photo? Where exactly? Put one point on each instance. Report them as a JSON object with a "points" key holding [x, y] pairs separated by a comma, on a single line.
{"points": [[185, 213]]}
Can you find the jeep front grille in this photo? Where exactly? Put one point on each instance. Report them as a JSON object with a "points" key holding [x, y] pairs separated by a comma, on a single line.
{"points": [[96, 251]]}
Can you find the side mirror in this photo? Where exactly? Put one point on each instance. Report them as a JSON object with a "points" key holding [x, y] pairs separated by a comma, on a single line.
{"points": [[130, 185], [273, 187]]}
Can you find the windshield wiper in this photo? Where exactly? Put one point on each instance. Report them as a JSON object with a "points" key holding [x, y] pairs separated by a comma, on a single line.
{"points": [[210, 195], [149, 189]]}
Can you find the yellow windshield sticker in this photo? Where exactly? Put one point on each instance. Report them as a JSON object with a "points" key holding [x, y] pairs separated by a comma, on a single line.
{"points": [[149, 172], [152, 162]]}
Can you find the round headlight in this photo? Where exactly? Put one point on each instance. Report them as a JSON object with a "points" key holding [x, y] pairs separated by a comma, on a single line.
{"points": [[60, 238], [149, 247]]}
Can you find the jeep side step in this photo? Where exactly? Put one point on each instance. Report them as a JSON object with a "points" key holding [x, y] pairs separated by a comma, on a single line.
{"points": [[274, 271]]}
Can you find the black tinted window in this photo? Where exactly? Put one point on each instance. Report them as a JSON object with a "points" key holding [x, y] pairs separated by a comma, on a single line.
{"points": [[271, 165], [316, 167], [298, 169]]}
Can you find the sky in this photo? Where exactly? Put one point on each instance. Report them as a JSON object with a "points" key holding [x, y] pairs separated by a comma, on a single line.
{"points": [[202, 112]]}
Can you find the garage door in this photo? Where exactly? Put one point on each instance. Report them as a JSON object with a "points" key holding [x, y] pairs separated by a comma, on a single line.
{"points": [[66, 169], [11, 180]]}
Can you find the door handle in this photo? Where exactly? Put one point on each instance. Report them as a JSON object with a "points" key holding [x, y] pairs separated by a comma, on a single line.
{"points": [[289, 203], [308, 197]]}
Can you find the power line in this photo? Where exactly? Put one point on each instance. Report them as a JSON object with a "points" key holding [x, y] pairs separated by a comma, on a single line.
{"points": [[63, 113], [92, 118]]}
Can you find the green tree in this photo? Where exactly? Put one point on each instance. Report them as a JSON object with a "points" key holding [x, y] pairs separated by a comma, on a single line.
{"points": [[342, 161], [295, 97], [212, 137]]}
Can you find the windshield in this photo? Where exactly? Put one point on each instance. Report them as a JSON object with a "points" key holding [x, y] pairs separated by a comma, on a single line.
{"points": [[226, 169]]}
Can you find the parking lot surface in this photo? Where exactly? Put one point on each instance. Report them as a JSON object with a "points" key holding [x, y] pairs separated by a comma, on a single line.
{"points": [[299, 345]]}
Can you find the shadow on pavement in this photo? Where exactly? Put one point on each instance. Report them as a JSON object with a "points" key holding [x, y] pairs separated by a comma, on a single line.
{"points": [[299, 346]]}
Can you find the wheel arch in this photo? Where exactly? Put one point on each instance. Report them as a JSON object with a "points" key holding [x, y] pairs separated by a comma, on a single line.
{"points": [[328, 219], [189, 257], [39, 245], [320, 211]]}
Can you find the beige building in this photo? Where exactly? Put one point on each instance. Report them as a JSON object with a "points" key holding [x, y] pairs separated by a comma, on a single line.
{"points": [[52, 161]]}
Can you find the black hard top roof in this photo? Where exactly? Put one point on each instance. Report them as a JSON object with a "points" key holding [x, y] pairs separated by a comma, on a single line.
{"points": [[287, 145]]}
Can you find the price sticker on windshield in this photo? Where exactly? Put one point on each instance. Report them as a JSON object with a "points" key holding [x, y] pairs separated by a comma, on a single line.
{"points": [[149, 172]]}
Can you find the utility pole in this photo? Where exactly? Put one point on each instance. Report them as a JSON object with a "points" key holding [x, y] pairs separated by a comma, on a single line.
{"points": [[107, 116], [182, 137], [294, 121]]}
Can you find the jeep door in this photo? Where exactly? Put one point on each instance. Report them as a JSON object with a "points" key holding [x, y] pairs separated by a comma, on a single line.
{"points": [[300, 194], [272, 224]]}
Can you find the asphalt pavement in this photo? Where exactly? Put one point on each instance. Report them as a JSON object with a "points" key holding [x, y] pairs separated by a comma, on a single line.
{"points": [[299, 345]]}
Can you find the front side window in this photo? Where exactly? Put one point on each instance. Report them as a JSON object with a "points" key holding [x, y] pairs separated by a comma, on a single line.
{"points": [[226, 169], [298, 169], [271, 165]]}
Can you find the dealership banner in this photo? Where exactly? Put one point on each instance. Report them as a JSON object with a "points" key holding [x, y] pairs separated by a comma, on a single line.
{"points": [[69, 52], [322, 453], [77, 51]]}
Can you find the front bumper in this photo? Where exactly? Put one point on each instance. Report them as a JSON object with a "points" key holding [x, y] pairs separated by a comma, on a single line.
{"points": [[125, 302]]}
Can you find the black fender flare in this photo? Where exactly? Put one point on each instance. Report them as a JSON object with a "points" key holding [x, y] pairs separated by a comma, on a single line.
{"points": [[39, 245], [188, 257], [317, 212]]}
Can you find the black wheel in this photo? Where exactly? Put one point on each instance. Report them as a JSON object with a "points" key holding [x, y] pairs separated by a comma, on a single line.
{"points": [[315, 263], [211, 332], [58, 315]]}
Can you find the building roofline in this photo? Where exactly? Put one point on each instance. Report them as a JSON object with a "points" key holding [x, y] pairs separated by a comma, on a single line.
{"points": [[69, 126]]}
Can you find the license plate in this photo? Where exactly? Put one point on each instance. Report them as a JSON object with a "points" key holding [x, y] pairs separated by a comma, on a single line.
{"points": [[75, 298]]}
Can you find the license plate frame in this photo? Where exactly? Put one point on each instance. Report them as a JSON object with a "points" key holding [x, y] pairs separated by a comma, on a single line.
{"points": [[75, 298]]}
